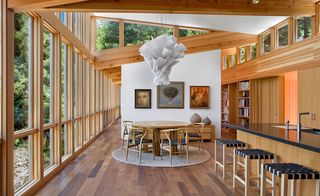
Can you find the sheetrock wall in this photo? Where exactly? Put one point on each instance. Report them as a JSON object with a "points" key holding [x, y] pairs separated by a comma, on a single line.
{"points": [[202, 69]]}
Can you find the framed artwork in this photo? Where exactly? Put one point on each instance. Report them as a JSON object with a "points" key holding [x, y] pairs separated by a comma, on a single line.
{"points": [[199, 97], [171, 96], [142, 98]]}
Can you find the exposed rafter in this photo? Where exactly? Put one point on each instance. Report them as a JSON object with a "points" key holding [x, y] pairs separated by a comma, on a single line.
{"points": [[235, 7], [117, 56], [26, 5]]}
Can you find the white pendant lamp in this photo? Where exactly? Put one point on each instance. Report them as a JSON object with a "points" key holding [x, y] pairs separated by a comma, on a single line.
{"points": [[161, 54]]}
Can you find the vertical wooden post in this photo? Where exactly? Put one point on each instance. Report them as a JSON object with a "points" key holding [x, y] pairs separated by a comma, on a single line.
{"points": [[7, 123], [93, 33], [317, 19], [121, 33], [176, 31]]}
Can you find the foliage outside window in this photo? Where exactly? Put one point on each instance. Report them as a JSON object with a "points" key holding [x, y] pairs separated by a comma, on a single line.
{"points": [[138, 33], [63, 140], [47, 76], [266, 40], [22, 64], [303, 28], [63, 80], [253, 51], [190, 32], [283, 36], [22, 162], [107, 34], [48, 148], [242, 51]]}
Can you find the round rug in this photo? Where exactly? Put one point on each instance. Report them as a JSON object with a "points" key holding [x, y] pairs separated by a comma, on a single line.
{"points": [[196, 156]]}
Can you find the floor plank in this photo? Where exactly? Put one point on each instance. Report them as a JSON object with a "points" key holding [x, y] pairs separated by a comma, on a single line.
{"points": [[94, 172]]}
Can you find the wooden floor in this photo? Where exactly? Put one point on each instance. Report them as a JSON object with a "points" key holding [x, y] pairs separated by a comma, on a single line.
{"points": [[94, 172]]}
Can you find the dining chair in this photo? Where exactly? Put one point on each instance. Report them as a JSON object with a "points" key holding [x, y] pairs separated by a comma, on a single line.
{"points": [[136, 142], [128, 124], [176, 142], [195, 134]]}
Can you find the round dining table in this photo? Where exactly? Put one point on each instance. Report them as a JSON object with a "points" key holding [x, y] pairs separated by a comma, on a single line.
{"points": [[156, 126]]}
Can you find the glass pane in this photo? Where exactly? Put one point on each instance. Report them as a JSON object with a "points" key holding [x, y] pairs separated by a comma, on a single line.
{"points": [[253, 51], [107, 34], [77, 134], [137, 33], [63, 18], [22, 162], [64, 140], [22, 54], [63, 79], [283, 36], [189, 32], [242, 55], [47, 77], [47, 148], [303, 28], [75, 83], [266, 43]]}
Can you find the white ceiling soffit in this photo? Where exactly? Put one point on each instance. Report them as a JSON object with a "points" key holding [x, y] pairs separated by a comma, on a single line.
{"points": [[241, 24]]}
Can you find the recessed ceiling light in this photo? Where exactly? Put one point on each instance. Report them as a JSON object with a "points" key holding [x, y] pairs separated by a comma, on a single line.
{"points": [[255, 2]]}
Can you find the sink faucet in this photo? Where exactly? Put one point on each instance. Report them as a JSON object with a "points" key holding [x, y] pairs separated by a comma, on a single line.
{"points": [[299, 124]]}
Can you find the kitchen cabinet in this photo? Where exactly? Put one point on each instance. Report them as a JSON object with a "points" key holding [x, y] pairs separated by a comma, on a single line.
{"points": [[309, 96]]}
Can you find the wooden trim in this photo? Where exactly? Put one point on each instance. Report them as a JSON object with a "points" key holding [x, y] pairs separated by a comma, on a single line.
{"points": [[64, 31], [299, 55], [24, 133], [274, 8], [49, 126], [117, 56]]}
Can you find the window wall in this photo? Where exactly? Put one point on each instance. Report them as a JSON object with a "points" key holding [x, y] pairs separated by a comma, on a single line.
{"points": [[57, 98]]}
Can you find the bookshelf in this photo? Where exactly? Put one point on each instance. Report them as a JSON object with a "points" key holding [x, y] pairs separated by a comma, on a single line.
{"points": [[228, 103], [243, 102]]}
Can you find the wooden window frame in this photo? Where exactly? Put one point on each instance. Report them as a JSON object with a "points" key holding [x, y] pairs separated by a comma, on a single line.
{"points": [[288, 23]]}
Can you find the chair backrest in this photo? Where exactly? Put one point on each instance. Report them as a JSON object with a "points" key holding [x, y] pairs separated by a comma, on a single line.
{"points": [[132, 136], [182, 133], [127, 124], [198, 127]]}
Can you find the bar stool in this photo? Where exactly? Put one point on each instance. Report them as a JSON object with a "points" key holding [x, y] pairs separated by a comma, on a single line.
{"points": [[225, 144], [250, 155], [288, 171]]}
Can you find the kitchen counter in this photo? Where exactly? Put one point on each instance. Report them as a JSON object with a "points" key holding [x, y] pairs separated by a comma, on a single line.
{"points": [[310, 139]]}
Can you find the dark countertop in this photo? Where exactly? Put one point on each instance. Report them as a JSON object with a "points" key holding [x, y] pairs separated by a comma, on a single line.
{"points": [[310, 139]]}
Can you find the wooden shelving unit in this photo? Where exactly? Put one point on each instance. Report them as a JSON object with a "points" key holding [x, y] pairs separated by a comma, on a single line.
{"points": [[229, 103], [243, 102]]}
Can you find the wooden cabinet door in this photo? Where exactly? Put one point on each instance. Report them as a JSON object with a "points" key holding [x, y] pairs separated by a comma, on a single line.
{"points": [[306, 95], [316, 100]]}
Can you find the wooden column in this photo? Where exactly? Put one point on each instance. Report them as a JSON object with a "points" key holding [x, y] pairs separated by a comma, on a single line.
{"points": [[7, 185], [176, 31], [121, 33]]}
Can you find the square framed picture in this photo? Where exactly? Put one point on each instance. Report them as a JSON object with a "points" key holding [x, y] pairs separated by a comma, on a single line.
{"points": [[199, 97], [171, 96], [142, 98]]}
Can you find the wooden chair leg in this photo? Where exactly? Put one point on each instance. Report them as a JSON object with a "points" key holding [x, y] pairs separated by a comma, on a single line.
{"points": [[187, 149], [223, 161], [234, 171], [246, 175], [317, 187], [292, 188], [258, 172], [215, 155], [170, 157], [140, 152], [263, 180], [284, 184], [273, 181]]}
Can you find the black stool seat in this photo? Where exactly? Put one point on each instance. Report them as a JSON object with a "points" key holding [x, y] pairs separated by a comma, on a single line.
{"points": [[293, 170], [231, 143], [254, 153]]}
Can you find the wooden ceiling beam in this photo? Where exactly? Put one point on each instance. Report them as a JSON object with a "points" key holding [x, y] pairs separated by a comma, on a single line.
{"points": [[112, 70], [27, 5], [235, 7], [115, 57]]}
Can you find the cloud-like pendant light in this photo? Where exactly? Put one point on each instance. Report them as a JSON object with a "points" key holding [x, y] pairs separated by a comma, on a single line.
{"points": [[161, 54]]}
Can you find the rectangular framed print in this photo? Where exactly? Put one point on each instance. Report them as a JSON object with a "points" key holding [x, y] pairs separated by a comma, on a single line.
{"points": [[171, 96], [199, 97], [142, 98]]}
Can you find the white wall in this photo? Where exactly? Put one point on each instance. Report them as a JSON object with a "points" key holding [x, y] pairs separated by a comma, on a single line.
{"points": [[201, 69]]}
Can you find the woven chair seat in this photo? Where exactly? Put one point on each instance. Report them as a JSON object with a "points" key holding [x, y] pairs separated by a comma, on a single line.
{"points": [[254, 154], [293, 170], [231, 143]]}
